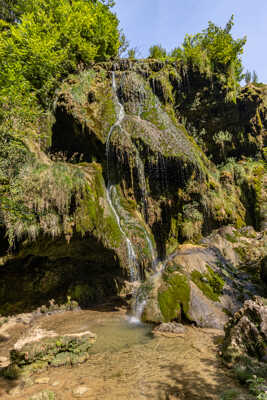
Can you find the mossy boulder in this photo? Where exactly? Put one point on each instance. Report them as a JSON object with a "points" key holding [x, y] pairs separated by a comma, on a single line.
{"points": [[47, 352], [174, 297]]}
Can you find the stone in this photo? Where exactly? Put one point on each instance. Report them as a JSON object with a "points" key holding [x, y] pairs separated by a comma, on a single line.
{"points": [[42, 381], [246, 332], [79, 391], [44, 395], [3, 360], [170, 327], [204, 312], [52, 351]]}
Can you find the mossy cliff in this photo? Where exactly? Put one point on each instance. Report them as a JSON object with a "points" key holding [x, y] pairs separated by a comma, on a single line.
{"points": [[169, 167]]}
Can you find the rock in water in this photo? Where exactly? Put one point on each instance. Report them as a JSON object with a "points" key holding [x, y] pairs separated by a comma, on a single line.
{"points": [[50, 351], [170, 327], [246, 332], [45, 395]]}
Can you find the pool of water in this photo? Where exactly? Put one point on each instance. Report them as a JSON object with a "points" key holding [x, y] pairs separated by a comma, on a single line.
{"points": [[127, 362]]}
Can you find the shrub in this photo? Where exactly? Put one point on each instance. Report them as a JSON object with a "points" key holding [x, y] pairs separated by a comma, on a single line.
{"points": [[157, 52]]}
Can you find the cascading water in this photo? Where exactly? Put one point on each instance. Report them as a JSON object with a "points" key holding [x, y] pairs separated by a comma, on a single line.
{"points": [[133, 265], [111, 191]]}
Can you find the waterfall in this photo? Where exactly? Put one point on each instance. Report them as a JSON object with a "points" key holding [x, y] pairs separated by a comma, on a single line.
{"points": [[111, 191], [112, 196]]}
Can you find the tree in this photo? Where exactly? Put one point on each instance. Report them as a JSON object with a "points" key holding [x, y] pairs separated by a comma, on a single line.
{"points": [[247, 77], [254, 77], [222, 50], [214, 50], [51, 39], [157, 52], [132, 53]]}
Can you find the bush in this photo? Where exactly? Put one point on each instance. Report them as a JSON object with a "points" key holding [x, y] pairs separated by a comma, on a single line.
{"points": [[157, 52], [51, 39]]}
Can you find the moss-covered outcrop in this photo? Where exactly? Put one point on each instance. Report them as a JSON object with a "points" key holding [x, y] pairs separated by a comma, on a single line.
{"points": [[174, 297], [53, 351], [59, 233]]}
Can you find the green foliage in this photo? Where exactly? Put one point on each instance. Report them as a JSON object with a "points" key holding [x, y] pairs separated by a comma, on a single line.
{"points": [[39, 200], [52, 38], [221, 138], [192, 221], [157, 52], [132, 53], [214, 50], [256, 387], [9, 10]]}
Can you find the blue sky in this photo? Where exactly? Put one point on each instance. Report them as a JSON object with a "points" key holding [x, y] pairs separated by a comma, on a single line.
{"points": [[147, 22]]}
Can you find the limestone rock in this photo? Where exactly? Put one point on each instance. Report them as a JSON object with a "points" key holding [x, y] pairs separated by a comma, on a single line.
{"points": [[42, 381], [204, 312], [79, 391], [246, 332], [170, 327], [45, 395], [50, 351]]}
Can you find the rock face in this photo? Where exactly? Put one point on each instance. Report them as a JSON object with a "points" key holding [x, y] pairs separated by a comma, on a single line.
{"points": [[206, 283], [123, 178], [246, 332]]}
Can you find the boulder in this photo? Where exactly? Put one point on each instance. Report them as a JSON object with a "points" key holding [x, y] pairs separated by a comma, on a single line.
{"points": [[170, 327], [246, 332], [52, 351]]}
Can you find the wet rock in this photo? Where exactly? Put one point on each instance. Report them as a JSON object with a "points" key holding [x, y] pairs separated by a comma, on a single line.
{"points": [[50, 351], [170, 327], [45, 395], [42, 381], [246, 332], [80, 391], [173, 296]]}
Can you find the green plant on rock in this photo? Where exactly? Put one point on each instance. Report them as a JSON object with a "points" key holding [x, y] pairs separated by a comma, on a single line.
{"points": [[221, 138], [192, 221]]}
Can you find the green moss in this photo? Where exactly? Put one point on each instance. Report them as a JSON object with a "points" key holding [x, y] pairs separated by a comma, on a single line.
{"points": [[175, 297], [211, 284], [231, 238], [82, 293]]}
